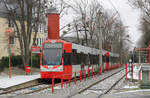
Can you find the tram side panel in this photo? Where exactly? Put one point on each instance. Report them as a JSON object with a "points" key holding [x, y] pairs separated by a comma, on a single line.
{"points": [[67, 56]]}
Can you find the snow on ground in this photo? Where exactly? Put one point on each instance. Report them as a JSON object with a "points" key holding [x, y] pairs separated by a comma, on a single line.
{"points": [[16, 80]]}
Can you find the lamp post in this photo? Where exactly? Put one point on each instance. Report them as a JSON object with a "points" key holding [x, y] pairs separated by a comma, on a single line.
{"points": [[8, 30], [99, 28]]}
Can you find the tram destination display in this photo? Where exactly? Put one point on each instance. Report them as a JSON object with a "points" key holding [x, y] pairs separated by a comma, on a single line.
{"points": [[53, 45]]}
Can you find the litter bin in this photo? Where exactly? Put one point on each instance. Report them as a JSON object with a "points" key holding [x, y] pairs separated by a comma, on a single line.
{"points": [[28, 69]]}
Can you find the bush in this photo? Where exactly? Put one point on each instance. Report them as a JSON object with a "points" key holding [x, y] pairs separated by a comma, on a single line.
{"points": [[36, 61], [17, 61], [1, 66]]}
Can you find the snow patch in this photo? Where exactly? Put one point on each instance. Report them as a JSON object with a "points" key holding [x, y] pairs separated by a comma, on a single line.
{"points": [[92, 91], [127, 86]]}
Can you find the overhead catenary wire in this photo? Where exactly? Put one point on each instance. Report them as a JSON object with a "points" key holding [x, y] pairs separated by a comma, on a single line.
{"points": [[114, 8]]}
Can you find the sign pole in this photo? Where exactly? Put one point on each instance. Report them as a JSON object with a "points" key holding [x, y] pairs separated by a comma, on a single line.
{"points": [[9, 56], [31, 59], [126, 71], [9, 31]]}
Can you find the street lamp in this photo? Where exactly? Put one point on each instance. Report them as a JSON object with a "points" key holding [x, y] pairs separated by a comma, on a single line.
{"points": [[9, 31]]}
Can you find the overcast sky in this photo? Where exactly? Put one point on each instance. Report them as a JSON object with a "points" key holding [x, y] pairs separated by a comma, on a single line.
{"points": [[129, 16]]}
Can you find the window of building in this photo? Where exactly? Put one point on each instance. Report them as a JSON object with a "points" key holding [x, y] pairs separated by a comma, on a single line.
{"points": [[38, 41], [10, 23], [41, 28], [35, 41], [12, 40]]}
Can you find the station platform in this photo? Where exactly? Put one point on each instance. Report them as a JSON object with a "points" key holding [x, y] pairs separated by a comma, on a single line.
{"points": [[17, 80]]}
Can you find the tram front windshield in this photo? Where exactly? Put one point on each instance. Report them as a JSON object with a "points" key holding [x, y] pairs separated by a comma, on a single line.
{"points": [[52, 54]]}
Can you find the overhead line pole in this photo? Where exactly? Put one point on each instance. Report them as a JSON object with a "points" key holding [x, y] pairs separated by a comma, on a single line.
{"points": [[100, 36]]}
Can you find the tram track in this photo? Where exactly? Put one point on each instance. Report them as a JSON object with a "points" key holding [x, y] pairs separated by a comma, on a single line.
{"points": [[100, 81], [111, 88], [95, 83], [72, 80]]}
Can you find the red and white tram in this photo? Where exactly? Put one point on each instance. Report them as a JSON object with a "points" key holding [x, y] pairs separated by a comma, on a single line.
{"points": [[60, 59]]}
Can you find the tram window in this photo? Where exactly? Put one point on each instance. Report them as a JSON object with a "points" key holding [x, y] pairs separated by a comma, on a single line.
{"points": [[67, 58], [91, 59], [74, 59], [88, 59], [78, 59], [103, 58], [84, 58], [97, 59], [107, 59]]}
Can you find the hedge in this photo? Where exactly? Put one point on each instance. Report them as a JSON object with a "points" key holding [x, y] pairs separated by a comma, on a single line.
{"points": [[17, 61]]}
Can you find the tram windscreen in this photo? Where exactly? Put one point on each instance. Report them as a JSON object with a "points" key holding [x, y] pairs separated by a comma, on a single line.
{"points": [[52, 54]]}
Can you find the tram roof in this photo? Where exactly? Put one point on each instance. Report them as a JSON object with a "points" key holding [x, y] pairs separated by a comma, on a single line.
{"points": [[88, 50], [85, 49]]}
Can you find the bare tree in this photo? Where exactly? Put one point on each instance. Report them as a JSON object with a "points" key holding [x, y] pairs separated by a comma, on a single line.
{"points": [[144, 6], [81, 9], [88, 17], [28, 15]]}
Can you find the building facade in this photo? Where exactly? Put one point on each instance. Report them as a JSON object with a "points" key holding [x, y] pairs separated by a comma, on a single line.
{"points": [[14, 43]]}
